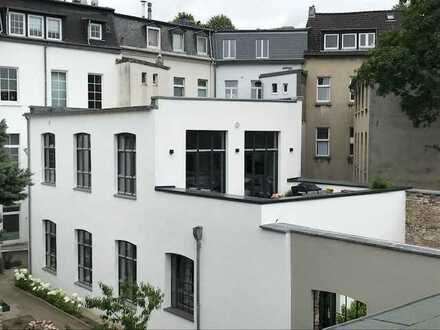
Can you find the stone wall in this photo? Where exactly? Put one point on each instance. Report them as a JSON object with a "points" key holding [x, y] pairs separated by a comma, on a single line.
{"points": [[423, 218]]}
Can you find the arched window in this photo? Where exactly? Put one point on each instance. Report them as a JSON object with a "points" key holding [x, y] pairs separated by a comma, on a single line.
{"points": [[84, 257], [127, 267], [50, 231], [83, 161], [126, 144], [49, 158]]}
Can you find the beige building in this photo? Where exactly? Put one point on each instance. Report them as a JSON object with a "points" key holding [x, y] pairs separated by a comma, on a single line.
{"points": [[338, 44]]}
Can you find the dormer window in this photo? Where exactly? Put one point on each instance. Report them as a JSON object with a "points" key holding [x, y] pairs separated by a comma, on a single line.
{"points": [[178, 42], [367, 40], [390, 17], [331, 41], [35, 26], [53, 28], [95, 31], [17, 24], [349, 41], [202, 45], [153, 37]]}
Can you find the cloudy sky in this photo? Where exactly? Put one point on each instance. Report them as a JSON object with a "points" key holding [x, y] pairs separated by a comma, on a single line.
{"points": [[248, 13]]}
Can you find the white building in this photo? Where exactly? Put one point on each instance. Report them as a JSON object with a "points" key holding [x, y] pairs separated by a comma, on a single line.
{"points": [[150, 175]]}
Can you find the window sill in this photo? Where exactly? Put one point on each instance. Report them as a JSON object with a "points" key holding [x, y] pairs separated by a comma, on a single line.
{"points": [[84, 285], [323, 104], [180, 313], [86, 190], [48, 184], [9, 104], [133, 198], [323, 158], [50, 271]]}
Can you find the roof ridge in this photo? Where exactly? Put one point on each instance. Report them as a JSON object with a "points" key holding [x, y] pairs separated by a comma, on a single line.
{"points": [[359, 12]]}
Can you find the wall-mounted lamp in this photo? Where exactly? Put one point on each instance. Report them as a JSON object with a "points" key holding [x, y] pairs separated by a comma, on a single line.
{"points": [[237, 150], [290, 149], [237, 125], [171, 151]]}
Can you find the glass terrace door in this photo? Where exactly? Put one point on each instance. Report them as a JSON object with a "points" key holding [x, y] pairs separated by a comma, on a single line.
{"points": [[261, 163]]}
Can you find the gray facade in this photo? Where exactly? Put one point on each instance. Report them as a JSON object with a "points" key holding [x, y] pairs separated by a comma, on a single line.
{"points": [[283, 44]]}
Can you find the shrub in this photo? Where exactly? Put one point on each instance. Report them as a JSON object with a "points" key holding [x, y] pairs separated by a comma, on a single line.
{"points": [[380, 183], [41, 325], [57, 297]]}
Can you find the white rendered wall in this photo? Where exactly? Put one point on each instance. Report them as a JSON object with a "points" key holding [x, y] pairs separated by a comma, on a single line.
{"points": [[289, 79], [175, 117], [244, 73], [380, 216]]}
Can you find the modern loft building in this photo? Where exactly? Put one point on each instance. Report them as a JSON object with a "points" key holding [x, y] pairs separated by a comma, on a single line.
{"points": [[181, 188], [260, 64], [338, 45]]}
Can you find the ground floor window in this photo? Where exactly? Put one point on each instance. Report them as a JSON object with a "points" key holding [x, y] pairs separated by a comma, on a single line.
{"points": [[127, 268], [11, 223], [261, 163], [84, 257], [205, 160], [50, 229], [182, 283]]}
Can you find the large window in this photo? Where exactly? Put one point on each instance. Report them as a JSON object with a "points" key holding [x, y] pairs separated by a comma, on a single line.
{"points": [[35, 26], [202, 88], [49, 158], [11, 223], [95, 91], [262, 49], [323, 89], [178, 42], [182, 284], [126, 164], [231, 89], [12, 147], [59, 89], [229, 49], [256, 90], [8, 84], [179, 86], [202, 45], [17, 24], [331, 41], [53, 28], [367, 40], [84, 257], [153, 37], [261, 163], [83, 161], [95, 31], [322, 142], [127, 268], [205, 160], [50, 229]]}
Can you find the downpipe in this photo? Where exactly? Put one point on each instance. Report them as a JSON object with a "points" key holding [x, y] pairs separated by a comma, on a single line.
{"points": [[198, 234]]}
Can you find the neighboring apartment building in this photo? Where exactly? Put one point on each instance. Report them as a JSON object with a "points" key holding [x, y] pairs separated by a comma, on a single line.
{"points": [[388, 146], [338, 45], [260, 64], [161, 58], [163, 186], [51, 53]]}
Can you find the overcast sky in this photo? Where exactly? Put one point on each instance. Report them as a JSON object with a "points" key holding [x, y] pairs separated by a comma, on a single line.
{"points": [[248, 13]]}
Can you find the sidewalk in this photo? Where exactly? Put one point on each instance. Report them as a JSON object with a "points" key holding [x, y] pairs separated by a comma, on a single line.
{"points": [[23, 304]]}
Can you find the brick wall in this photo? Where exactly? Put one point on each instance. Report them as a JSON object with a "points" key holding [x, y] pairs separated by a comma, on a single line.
{"points": [[423, 218]]}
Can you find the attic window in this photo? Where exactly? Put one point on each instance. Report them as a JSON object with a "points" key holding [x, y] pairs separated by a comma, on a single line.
{"points": [[95, 31], [178, 42], [390, 17], [153, 37], [331, 41]]}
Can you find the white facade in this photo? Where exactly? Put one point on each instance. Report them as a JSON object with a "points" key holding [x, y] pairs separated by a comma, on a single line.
{"points": [[28, 60], [244, 74]]}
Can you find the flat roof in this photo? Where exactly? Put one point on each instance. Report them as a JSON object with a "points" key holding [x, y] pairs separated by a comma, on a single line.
{"points": [[56, 111], [330, 182], [285, 228], [216, 99], [420, 314]]}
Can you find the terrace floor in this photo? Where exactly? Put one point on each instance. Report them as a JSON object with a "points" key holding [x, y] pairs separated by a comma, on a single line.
{"points": [[27, 307]]}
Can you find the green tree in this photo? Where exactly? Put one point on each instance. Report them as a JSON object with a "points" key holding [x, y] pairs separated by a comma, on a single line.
{"points": [[13, 180], [185, 19], [219, 23], [407, 62], [131, 309], [356, 310]]}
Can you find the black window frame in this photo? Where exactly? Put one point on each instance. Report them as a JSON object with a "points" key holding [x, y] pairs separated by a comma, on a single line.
{"points": [[85, 255], [50, 231], [49, 158], [11, 222], [83, 161], [94, 83], [126, 149], [195, 174], [127, 259], [182, 284], [251, 150]]}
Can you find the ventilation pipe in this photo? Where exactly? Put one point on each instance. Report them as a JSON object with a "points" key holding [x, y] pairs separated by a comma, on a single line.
{"points": [[198, 234], [149, 10], [312, 11], [143, 2]]}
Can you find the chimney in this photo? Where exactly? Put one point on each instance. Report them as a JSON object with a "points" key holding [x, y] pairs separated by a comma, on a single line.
{"points": [[149, 10], [143, 2], [94, 3], [312, 11]]}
